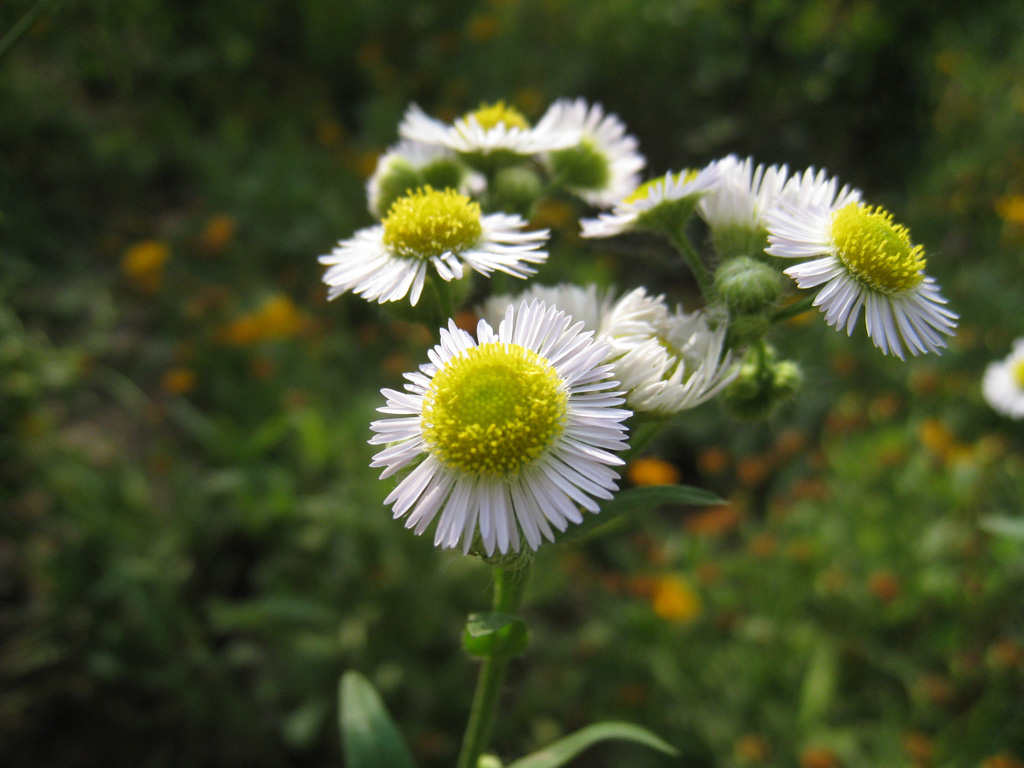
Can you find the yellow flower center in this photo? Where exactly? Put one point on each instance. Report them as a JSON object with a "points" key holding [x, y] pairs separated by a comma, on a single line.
{"points": [[493, 410], [428, 223], [644, 190], [1018, 372], [490, 115], [876, 251]]}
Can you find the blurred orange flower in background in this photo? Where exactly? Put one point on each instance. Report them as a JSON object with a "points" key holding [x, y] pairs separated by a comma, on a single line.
{"points": [[818, 757], [179, 381], [218, 232], [652, 471]]}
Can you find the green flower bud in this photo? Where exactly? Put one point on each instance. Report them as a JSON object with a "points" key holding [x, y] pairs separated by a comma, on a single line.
{"points": [[747, 286], [787, 378], [581, 167], [761, 385], [444, 173], [516, 189], [737, 240], [400, 179]]}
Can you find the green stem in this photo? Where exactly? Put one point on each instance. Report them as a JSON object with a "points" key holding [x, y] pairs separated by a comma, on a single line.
{"points": [[508, 595], [689, 253], [444, 299], [796, 308]]}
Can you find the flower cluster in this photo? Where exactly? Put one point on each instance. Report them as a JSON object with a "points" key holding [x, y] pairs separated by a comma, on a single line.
{"points": [[509, 436]]}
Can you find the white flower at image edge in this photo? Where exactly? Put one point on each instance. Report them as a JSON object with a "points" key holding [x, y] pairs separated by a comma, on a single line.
{"points": [[1003, 383], [445, 231], [509, 434], [867, 262]]}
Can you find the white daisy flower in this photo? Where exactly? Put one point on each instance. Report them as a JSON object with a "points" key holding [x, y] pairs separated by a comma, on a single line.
{"points": [[491, 128], [867, 261], [510, 434], [588, 304], [743, 193], [666, 361], [426, 228], [409, 165], [662, 203], [605, 165], [735, 209], [1003, 383]]}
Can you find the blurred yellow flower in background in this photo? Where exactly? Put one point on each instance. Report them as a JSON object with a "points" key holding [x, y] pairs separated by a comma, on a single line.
{"points": [[1003, 760], [1011, 209], [277, 318], [676, 600], [143, 264]]}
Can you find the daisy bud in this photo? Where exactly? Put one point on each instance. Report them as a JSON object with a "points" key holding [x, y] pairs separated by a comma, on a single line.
{"points": [[515, 189], [761, 385], [747, 286]]}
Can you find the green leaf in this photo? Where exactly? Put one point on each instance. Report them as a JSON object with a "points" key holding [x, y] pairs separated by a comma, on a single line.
{"points": [[1007, 527], [564, 750], [369, 737], [495, 635], [638, 499], [649, 496], [819, 685]]}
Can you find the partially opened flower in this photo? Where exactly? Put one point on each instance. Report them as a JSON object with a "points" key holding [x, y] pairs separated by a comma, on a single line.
{"points": [[409, 165], [1003, 383], [663, 203], [604, 166], [427, 229], [490, 128], [667, 361], [866, 262], [509, 435], [735, 209]]}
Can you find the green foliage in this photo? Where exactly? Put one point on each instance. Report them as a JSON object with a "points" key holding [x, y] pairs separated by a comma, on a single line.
{"points": [[565, 749], [370, 737]]}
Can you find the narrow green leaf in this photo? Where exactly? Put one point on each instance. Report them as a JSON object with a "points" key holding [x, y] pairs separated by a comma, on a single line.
{"points": [[637, 499], [369, 737], [649, 496], [564, 750], [819, 686], [1007, 527]]}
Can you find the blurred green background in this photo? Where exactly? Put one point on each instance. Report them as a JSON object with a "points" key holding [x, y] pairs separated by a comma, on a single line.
{"points": [[192, 544]]}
